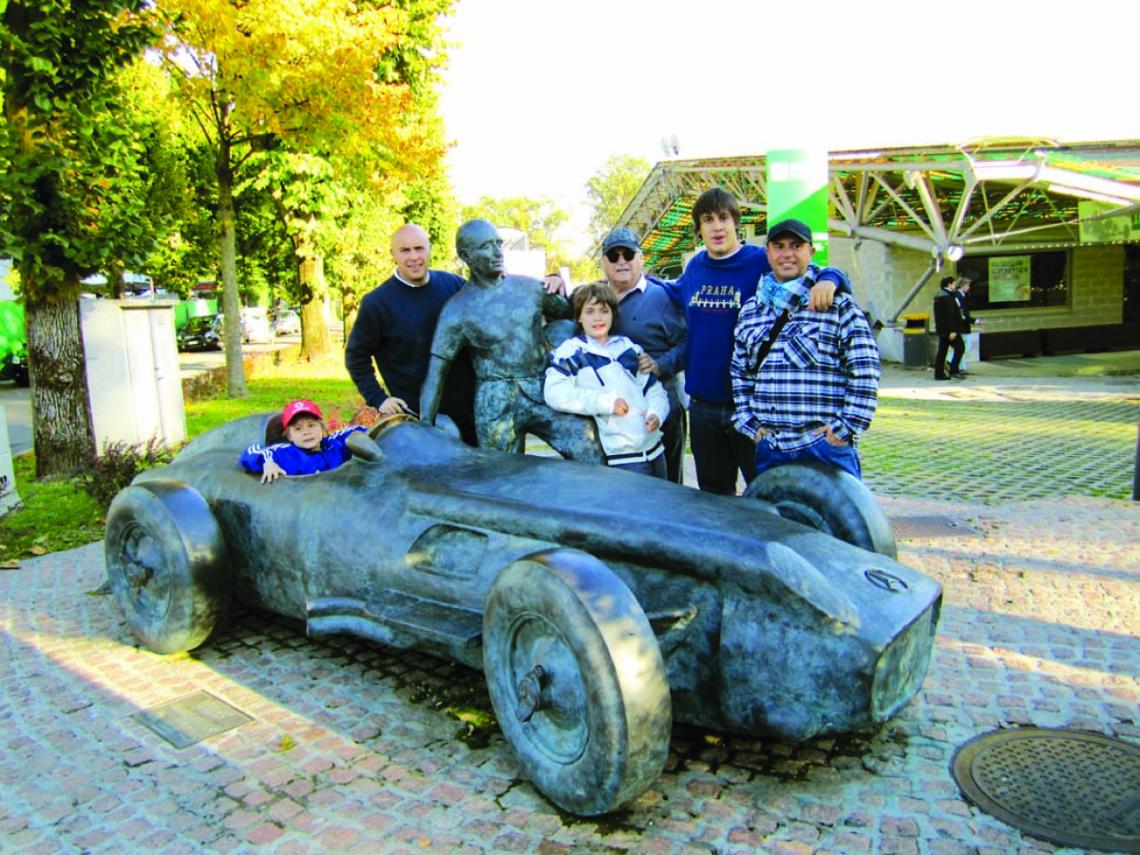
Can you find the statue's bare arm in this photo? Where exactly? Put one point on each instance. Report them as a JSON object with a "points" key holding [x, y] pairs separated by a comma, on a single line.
{"points": [[449, 338], [555, 307]]}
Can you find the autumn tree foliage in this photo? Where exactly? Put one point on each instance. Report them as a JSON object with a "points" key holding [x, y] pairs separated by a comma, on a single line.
{"points": [[611, 189], [345, 81], [74, 185]]}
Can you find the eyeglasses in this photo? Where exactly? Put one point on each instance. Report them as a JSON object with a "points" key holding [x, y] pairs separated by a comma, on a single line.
{"points": [[620, 252]]}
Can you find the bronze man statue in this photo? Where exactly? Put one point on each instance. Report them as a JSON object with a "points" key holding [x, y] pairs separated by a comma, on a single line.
{"points": [[499, 319]]}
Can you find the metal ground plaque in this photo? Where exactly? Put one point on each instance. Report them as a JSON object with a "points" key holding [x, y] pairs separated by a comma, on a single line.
{"points": [[192, 719], [1064, 786]]}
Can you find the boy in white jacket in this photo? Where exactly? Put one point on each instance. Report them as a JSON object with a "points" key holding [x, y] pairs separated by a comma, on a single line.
{"points": [[595, 374]]}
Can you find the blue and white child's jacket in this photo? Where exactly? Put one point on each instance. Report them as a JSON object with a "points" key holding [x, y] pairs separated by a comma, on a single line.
{"points": [[586, 377]]}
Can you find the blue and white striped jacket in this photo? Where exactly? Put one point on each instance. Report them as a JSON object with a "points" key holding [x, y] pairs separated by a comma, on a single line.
{"points": [[586, 377]]}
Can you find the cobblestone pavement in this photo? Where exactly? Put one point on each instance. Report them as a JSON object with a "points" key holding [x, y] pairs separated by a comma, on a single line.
{"points": [[355, 747], [1003, 439]]}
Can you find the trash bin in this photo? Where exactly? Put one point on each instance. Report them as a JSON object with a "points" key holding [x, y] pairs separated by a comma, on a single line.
{"points": [[914, 340]]}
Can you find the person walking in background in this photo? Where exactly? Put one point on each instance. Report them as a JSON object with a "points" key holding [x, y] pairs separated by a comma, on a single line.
{"points": [[962, 295], [948, 325]]}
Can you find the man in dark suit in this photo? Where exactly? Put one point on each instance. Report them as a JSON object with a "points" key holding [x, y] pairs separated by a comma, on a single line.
{"points": [[948, 325]]}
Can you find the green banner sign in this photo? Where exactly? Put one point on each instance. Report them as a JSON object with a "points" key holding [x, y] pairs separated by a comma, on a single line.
{"points": [[797, 187]]}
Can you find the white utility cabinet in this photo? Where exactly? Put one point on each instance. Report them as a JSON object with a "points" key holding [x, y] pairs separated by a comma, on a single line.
{"points": [[132, 372], [9, 498]]}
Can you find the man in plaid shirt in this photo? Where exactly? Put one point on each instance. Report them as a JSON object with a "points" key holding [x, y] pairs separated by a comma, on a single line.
{"points": [[816, 389]]}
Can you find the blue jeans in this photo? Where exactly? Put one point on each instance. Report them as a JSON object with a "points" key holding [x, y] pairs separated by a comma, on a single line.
{"points": [[719, 451], [841, 456]]}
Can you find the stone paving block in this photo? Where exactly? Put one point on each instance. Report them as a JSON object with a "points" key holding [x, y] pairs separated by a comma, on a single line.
{"points": [[1039, 625]]}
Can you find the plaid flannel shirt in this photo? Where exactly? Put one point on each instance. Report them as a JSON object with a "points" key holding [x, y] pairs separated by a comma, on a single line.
{"points": [[823, 369]]}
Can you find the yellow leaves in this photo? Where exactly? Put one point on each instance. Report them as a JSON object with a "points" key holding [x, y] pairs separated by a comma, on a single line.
{"points": [[301, 67], [286, 743]]}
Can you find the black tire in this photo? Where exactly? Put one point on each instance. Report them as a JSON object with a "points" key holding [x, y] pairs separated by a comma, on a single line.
{"points": [[828, 500], [165, 558], [599, 735]]}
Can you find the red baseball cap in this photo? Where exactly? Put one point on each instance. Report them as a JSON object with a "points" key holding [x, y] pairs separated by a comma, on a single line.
{"points": [[295, 408]]}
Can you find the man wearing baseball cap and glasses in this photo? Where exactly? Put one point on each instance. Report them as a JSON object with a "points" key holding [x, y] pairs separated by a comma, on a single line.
{"points": [[650, 319], [804, 383]]}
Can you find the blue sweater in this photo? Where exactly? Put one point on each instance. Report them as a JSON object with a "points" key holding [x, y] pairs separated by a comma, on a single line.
{"points": [[394, 328], [711, 292], [651, 319], [296, 461]]}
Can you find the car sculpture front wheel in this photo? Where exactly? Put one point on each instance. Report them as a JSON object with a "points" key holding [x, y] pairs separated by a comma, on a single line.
{"points": [[829, 500], [577, 680], [165, 556]]}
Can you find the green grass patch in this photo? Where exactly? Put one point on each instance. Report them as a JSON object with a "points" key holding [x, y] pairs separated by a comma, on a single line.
{"points": [[59, 515], [55, 515]]}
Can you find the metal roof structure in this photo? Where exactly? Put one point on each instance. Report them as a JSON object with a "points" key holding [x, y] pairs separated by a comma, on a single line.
{"points": [[943, 200]]}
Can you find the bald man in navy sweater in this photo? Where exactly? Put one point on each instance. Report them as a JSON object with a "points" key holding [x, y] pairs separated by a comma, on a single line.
{"points": [[394, 330]]}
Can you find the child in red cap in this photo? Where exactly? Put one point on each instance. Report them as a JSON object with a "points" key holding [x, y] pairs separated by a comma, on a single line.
{"points": [[308, 448]]}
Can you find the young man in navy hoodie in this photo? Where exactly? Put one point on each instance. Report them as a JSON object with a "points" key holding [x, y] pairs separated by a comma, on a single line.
{"points": [[716, 283]]}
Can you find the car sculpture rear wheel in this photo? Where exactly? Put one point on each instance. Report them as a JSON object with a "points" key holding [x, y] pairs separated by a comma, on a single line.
{"points": [[165, 556], [577, 680], [829, 500]]}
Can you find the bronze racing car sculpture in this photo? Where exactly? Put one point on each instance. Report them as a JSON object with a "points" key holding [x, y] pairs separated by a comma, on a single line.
{"points": [[600, 604]]}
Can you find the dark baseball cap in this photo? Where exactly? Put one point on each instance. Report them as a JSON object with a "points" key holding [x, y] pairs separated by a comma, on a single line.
{"points": [[791, 226], [621, 236]]}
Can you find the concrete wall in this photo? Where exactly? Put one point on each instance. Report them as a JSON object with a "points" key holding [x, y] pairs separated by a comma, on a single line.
{"points": [[883, 275]]}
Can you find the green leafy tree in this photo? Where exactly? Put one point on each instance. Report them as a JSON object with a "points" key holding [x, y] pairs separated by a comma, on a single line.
{"points": [[360, 257], [73, 190], [307, 201], [539, 219], [324, 78], [188, 253], [182, 183], [611, 189]]}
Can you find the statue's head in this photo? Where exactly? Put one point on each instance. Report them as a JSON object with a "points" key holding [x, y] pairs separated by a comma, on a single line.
{"points": [[479, 246]]}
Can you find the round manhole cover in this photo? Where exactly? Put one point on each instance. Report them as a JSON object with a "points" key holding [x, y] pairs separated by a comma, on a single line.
{"points": [[1065, 786]]}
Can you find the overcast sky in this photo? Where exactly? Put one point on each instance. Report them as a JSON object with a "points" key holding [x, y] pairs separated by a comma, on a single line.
{"points": [[540, 93]]}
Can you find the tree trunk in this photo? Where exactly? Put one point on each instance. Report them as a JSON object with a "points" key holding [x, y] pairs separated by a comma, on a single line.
{"points": [[231, 305], [315, 338], [350, 305], [62, 432]]}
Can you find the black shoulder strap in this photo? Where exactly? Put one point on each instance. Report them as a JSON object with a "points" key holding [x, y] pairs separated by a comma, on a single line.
{"points": [[773, 334]]}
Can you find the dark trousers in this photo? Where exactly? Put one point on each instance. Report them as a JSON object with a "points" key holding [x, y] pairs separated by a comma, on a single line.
{"points": [[719, 451], [944, 343], [673, 437]]}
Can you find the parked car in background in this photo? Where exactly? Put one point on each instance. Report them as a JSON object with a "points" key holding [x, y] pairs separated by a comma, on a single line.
{"points": [[201, 333], [255, 326], [287, 322], [14, 366], [13, 350]]}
